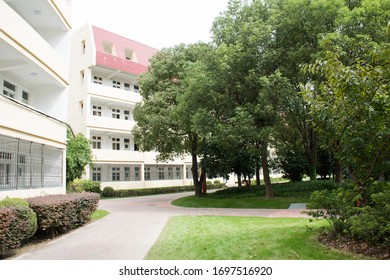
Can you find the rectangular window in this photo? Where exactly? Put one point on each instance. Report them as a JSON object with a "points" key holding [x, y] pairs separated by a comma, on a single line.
{"points": [[127, 144], [147, 174], [161, 173], [126, 115], [116, 84], [108, 47], [97, 174], [83, 47], [116, 114], [25, 96], [98, 80], [9, 89], [170, 173], [127, 86], [136, 88], [136, 173], [116, 174], [96, 142], [178, 173], [116, 144], [97, 111], [136, 147], [127, 173], [188, 172], [82, 76], [129, 54]]}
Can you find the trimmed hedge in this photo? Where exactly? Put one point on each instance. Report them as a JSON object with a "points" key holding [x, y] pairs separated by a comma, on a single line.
{"points": [[18, 223], [60, 213], [304, 188], [109, 192]]}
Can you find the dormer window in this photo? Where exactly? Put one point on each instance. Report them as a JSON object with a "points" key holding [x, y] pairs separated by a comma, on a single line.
{"points": [[130, 55], [108, 47]]}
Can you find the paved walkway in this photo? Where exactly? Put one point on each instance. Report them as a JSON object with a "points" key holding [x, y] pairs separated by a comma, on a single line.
{"points": [[131, 228]]}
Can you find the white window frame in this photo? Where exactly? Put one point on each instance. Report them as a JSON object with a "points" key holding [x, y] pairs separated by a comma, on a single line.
{"points": [[7, 91], [116, 144], [116, 174], [116, 114], [116, 84], [126, 143], [97, 80], [97, 174], [96, 142], [96, 110], [25, 97]]}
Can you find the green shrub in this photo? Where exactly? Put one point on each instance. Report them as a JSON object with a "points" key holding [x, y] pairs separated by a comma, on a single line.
{"points": [[280, 189], [61, 213], [92, 186], [14, 201], [108, 192], [217, 182], [79, 185], [18, 223], [350, 217]]}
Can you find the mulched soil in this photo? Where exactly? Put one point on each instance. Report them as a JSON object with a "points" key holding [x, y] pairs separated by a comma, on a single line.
{"points": [[356, 247]]}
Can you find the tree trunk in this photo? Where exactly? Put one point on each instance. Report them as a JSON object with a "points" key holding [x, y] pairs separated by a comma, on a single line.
{"points": [[239, 179], [338, 171], [194, 168], [258, 173], [310, 146], [269, 193], [203, 181]]}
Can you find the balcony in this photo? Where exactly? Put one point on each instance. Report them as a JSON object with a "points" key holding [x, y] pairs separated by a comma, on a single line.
{"points": [[117, 63], [21, 121], [26, 53], [110, 123], [111, 93], [108, 156]]}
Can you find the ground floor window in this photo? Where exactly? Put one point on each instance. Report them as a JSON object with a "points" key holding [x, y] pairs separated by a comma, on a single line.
{"points": [[163, 172], [133, 172], [26, 165], [115, 173]]}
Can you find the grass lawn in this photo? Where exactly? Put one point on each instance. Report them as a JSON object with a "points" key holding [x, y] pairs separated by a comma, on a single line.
{"points": [[242, 238], [239, 202], [98, 214]]}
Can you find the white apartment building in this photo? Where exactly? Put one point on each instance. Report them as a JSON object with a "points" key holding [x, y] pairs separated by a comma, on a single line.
{"points": [[34, 38], [103, 93]]}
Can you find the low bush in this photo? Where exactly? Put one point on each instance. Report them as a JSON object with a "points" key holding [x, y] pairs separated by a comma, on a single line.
{"points": [[18, 223], [108, 192], [79, 185], [280, 189], [343, 208], [159, 190], [60, 213]]}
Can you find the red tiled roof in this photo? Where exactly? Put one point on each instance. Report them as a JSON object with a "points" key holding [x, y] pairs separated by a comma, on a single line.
{"points": [[119, 61]]}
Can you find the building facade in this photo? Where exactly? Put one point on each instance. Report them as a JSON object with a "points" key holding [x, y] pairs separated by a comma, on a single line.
{"points": [[103, 93], [34, 40]]}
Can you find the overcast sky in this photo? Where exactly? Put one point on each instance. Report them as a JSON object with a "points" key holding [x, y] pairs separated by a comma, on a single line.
{"points": [[157, 23]]}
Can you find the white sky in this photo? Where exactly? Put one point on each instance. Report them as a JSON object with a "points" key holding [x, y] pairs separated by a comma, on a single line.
{"points": [[157, 23]]}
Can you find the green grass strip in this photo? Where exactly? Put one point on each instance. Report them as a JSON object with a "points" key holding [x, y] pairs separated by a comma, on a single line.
{"points": [[242, 238]]}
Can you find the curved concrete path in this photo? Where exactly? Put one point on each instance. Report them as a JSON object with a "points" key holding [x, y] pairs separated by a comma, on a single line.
{"points": [[131, 228]]}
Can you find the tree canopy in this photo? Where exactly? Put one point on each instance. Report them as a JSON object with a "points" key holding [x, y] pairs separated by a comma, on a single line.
{"points": [[306, 77]]}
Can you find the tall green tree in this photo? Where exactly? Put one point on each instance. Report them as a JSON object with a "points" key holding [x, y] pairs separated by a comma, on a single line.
{"points": [[298, 25], [178, 106], [78, 156], [243, 38], [361, 87]]}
